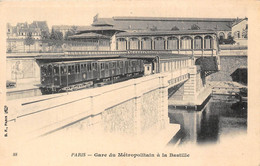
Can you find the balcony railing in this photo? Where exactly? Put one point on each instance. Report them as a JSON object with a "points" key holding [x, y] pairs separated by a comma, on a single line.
{"points": [[208, 52]]}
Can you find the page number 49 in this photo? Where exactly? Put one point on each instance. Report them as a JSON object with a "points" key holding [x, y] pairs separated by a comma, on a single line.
{"points": [[15, 154]]}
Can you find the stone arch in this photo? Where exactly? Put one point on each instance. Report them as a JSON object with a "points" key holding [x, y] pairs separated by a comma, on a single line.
{"points": [[221, 35], [146, 43], [186, 42], [159, 43], [172, 43], [229, 34], [208, 42], [134, 43], [121, 43], [198, 42]]}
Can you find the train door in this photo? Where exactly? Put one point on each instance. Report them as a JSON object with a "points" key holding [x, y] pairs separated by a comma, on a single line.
{"points": [[102, 70], [64, 75], [141, 66], [83, 67], [56, 75], [78, 77], [49, 76], [110, 69], [130, 69], [44, 76], [126, 67], [121, 67], [89, 71], [133, 62], [71, 73], [138, 66], [114, 68], [106, 69], [95, 70]]}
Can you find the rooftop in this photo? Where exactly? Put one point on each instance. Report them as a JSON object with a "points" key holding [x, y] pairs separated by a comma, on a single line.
{"points": [[165, 23]]}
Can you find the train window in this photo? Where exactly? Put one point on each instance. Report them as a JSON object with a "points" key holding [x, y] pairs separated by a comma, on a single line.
{"points": [[130, 64], [77, 68], [126, 63], [106, 67], [82, 67], [63, 70], [43, 70], [55, 70], [69, 70], [121, 64], [88, 67], [72, 69], [114, 64], [102, 66], [110, 65], [94, 66], [49, 71]]}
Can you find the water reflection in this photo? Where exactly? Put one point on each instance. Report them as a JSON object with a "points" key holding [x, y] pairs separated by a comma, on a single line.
{"points": [[221, 116]]}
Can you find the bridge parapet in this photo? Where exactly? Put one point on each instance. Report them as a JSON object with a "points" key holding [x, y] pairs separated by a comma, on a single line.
{"points": [[141, 103]]}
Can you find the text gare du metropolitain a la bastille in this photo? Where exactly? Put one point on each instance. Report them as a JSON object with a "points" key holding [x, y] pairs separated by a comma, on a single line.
{"points": [[134, 155]]}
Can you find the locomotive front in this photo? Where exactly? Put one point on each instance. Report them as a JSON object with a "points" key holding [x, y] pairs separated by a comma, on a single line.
{"points": [[46, 77]]}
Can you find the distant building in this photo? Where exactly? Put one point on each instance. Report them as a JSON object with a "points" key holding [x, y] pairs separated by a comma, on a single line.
{"points": [[152, 33], [63, 28], [240, 31], [18, 33], [21, 30]]}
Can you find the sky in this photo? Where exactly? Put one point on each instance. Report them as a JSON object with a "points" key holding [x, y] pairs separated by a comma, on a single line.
{"points": [[82, 12]]}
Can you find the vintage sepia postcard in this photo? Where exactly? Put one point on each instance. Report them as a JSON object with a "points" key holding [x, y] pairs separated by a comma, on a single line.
{"points": [[136, 82]]}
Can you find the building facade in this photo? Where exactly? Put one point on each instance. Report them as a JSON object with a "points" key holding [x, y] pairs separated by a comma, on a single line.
{"points": [[17, 34], [187, 36], [240, 31]]}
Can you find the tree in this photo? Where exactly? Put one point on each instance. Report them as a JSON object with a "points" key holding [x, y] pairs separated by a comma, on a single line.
{"points": [[29, 40], [56, 38], [45, 35], [68, 34], [229, 40]]}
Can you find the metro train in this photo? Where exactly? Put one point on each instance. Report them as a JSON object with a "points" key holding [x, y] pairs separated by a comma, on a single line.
{"points": [[74, 75]]}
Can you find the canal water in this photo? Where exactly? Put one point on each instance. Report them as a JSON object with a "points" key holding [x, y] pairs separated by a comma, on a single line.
{"points": [[222, 116]]}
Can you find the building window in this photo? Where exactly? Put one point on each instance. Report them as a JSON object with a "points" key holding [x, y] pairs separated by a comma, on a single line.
{"points": [[159, 43], [229, 34], [208, 42], [186, 42], [198, 42], [237, 34], [173, 43], [134, 44], [121, 44], [221, 35], [146, 44]]}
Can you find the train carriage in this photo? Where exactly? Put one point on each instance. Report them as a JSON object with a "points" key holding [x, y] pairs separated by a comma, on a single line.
{"points": [[58, 76]]}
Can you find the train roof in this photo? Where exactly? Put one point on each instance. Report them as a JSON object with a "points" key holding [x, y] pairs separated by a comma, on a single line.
{"points": [[95, 60], [102, 60], [76, 61]]}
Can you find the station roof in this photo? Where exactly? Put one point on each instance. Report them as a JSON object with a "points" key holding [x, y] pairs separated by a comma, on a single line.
{"points": [[89, 36], [165, 23], [97, 28], [152, 33]]}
